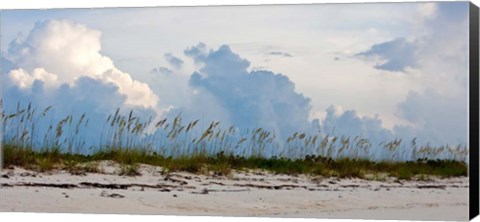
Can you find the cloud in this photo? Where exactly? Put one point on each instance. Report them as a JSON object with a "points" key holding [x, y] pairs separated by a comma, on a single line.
{"points": [[443, 54], [174, 61], [25, 80], [87, 95], [7, 65], [59, 64], [427, 11], [249, 99], [69, 51], [197, 52], [438, 59], [265, 99], [52, 41], [438, 112], [436, 118], [349, 123], [395, 55], [282, 54], [441, 33]]}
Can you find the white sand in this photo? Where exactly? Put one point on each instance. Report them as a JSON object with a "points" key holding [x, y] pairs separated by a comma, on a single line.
{"points": [[241, 194]]}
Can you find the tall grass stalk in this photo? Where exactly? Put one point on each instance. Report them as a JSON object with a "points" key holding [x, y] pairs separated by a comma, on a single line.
{"points": [[25, 128]]}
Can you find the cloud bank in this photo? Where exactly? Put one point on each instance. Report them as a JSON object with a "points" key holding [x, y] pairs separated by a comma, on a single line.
{"points": [[60, 63], [437, 118], [436, 114], [249, 99]]}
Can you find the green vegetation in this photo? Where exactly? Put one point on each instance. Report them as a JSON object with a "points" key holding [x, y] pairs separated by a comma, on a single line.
{"points": [[129, 170], [221, 164], [30, 141]]}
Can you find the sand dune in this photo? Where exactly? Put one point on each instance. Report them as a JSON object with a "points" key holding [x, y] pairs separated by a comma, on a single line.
{"points": [[254, 193]]}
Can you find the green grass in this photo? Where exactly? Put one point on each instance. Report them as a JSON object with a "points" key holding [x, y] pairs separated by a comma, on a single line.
{"points": [[222, 164]]}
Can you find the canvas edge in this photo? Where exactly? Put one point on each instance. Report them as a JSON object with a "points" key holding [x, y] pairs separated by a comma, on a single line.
{"points": [[474, 110]]}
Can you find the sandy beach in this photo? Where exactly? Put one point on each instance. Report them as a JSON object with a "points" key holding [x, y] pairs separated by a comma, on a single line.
{"points": [[253, 193]]}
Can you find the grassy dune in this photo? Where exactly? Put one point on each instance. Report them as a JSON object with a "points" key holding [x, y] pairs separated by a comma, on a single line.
{"points": [[31, 143], [221, 164]]}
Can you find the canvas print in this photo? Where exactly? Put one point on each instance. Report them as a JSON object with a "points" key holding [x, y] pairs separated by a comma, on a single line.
{"points": [[355, 111]]}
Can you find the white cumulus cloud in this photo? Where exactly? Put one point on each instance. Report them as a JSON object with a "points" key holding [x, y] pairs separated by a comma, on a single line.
{"points": [[25, 80], [69, 50]]}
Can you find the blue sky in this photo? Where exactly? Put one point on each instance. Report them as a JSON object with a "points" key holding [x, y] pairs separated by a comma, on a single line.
{"points": [[375, 70]]}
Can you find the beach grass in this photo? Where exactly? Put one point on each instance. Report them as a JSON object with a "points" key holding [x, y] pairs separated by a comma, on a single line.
{"points": [[37, 139]]}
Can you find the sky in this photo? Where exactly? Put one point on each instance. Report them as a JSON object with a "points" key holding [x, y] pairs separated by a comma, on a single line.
{"points": [[382, 71]]}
